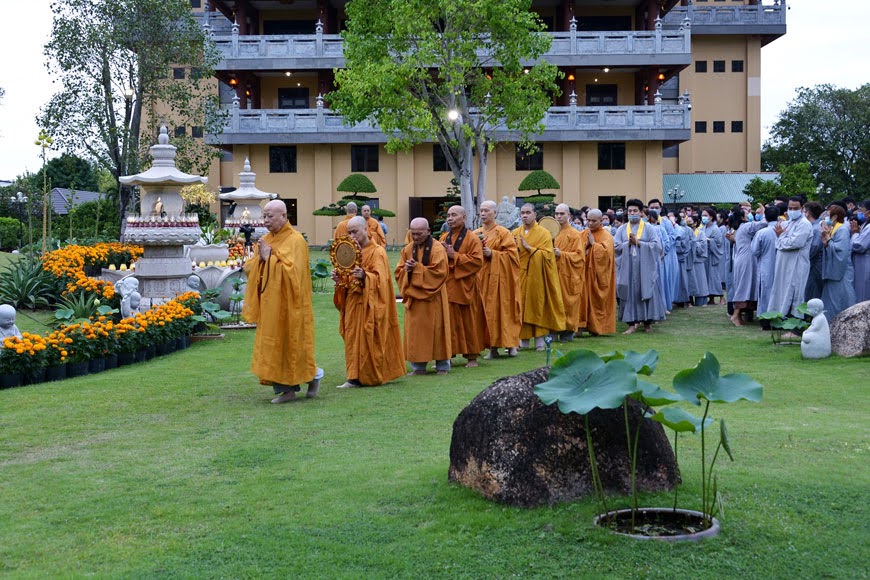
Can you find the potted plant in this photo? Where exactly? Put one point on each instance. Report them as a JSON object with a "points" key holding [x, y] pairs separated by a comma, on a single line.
{"points": [[22, 360], [582, 381], [210, 318]]}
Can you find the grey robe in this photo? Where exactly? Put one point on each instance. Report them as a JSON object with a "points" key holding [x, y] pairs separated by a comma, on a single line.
{"points": [[814, 280], [684, 253], [637, 275], [838, 274], [698, 276], [745, 285], [725, 265], [715, 248], [792, 267], [861, 262], [764, 250]]}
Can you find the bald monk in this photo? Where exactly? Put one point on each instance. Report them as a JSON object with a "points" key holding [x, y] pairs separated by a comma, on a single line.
{"points": [[422, 277], [374, 228], [499, 283], [468, 334], [278, 301], [543, 311], [350, 211], [599, 300], [369, 323], [570, 250]]}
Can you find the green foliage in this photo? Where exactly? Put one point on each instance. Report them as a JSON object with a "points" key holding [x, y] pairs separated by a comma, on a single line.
{"points": [[383, 212], [780, 324], [70, 171], [320, 275], [24, 284], [90, 220], [357, 183], [10, 229], [792, 180], [78, 307], [538, 180]]}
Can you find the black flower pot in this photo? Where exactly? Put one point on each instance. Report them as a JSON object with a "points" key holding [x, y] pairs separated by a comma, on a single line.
{"points": [[55, 373], [150, 352], [11, 380], [162, 348], [126, 358], [35, 377], [76, 369], [96, 365], [111, 361], [181, 343], [140, 355]]}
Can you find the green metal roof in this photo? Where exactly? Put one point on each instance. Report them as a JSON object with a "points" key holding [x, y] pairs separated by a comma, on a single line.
{"points": [[709, 187]]}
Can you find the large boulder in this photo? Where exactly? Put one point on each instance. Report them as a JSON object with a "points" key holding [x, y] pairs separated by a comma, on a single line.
{"points": [[512, 449], [850, 331]]}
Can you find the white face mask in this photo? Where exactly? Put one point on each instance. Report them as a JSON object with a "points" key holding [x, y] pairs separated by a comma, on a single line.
{"points": [[794, 214]]}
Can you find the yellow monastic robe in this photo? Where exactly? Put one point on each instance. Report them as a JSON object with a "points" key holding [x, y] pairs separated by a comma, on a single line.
{"points": [[600, 296], [341, 228], [369, 323], [572, 274], [427, 312], [468, 334], [500, 285], [278, 301], [375, 232], [543, 311]]}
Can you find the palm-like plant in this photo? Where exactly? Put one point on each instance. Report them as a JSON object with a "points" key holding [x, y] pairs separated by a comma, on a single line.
{"points": [[24, 284]]}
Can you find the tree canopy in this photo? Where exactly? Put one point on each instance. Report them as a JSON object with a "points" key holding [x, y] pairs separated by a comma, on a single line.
{"points": [[70, 171], [538, 180], [792, 180], [356, 183], [450, 71], [828, 128], [113, 61]]}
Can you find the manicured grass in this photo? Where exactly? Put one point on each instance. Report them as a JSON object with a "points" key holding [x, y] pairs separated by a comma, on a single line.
{"points": [[180, 467]]}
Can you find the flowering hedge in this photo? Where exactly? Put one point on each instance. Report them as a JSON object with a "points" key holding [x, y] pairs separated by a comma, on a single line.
{"points": [[68, 264]]}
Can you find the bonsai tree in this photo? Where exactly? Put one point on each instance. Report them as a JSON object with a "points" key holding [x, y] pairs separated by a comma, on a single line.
{"points": [[545, 203], [356, 183]]}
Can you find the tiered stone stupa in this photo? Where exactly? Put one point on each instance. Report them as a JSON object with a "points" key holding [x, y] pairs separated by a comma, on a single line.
{"points": [[162, 227], [249, 203]]}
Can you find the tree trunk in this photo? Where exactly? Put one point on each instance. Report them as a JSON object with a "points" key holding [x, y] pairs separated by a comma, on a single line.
{"points": [[482, 153], [466, 179]]}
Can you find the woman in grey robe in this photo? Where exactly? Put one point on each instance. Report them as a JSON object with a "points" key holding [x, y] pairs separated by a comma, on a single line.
{"points": [[715, 247], [838, 274], [698, 288], [764, 250], [685, 251], [861, 252], [744, 288]]}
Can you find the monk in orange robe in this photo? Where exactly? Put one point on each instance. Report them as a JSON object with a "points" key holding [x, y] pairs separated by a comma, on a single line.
{"points": [[374, 228], [422, 277], [543, 312], [570, 249], [465, 258], [369, 323], [600, 296], [499, 283], [341, 229], [278, 301]]}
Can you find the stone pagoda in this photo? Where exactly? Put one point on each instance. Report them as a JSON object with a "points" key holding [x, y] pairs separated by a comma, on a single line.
{"points": [[162, 227], [249, 203]]}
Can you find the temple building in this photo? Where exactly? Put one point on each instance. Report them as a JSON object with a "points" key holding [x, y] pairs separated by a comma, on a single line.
{"points": [[651, 88]]}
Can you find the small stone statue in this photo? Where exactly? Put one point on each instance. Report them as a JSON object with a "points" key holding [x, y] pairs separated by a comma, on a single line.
{"points": [[816, 340], [507, 214], [246, 216], [7, 322], [157, 210], [194, 282], [128, 288]]}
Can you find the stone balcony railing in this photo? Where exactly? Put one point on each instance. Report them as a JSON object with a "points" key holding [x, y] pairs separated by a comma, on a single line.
{"points": [[740, 19], [659, 122]]}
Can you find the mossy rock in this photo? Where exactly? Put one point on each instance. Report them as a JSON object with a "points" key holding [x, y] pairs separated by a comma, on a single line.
{"points": [[356, 183], [538, 180]]}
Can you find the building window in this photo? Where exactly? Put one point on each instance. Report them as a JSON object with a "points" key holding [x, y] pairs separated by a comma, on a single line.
{"points": [[737, 66], [195, 3], [611, 156], [195, 73], [282, 159], [364, 158], [180, 131], [292, 210], [439, 160], [700, 66], [601, 95], [177, 73], [529, 160], [196, 132], [606, 202], [226, 154], [736, 126], [718, 66], [700, 126], [718, 126], [671, 151], [295, 98]]}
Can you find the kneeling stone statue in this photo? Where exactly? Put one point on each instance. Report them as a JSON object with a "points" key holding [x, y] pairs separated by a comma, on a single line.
{"points": [[816, 340]]}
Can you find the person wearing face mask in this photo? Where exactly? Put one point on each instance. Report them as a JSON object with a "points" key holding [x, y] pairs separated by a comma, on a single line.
{"points": [[813, 212], [698, 289], [860, 230], [837, 270], [638, 252], [764, 251], [715, 250], [669, 265], [683, 239], [792, 261], [745, 287]]}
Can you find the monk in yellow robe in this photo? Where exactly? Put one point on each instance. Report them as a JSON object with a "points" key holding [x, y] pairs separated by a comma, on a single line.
{"points": [[422, 277], [465, 258], [374, 228], [599, 300], [543, 311], [278, 301], [369, 323], [341, 229], [570, 249], [499, 283]]}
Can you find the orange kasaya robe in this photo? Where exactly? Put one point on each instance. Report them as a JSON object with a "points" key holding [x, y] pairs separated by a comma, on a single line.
{"points": [[341, 228], [600, 296], [427, 312], [369, 323], [543, 311], [468, 334], [500, 286], [278, 301], [571, 264], [375, 232]]}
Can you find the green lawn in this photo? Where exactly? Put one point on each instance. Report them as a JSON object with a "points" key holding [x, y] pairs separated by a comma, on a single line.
{"points": [[180, 467]]}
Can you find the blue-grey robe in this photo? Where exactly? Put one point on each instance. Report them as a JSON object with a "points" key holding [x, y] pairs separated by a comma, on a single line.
{"points": [[745, 285], [725, 265], [764, 250], [838, 273], [814, 280], [715, 247], [637, 275], [861, 262], [669, 264], [684, 251], [792, 267], [698, 276]]}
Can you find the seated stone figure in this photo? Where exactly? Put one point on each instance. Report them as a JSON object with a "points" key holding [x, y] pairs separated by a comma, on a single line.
{"points": [[7, 322], [816, 340], [128, 288], [507, 214]]}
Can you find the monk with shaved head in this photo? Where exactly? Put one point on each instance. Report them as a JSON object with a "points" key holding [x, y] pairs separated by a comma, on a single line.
{"points": [[599, 300], [373, 226], [278, 301], [465, 258], [422, 277], [350, 211], [570, 250], [499, 283]]}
